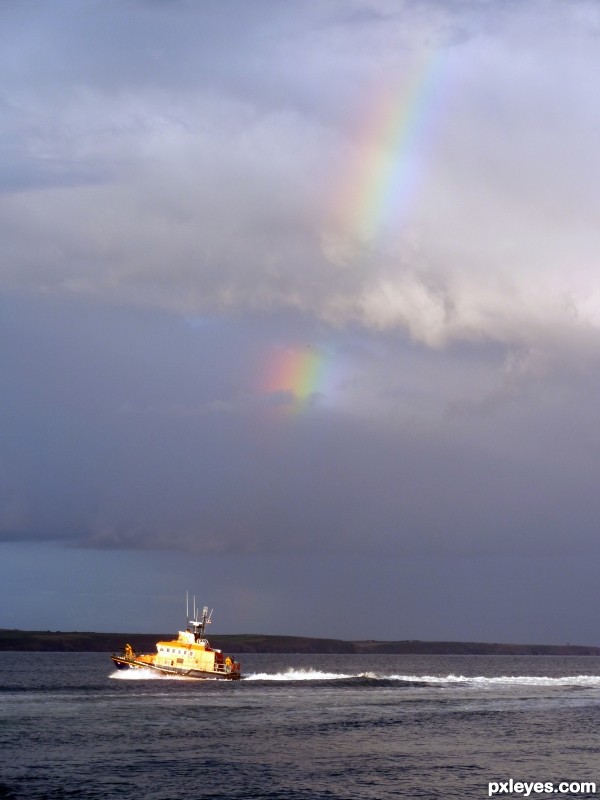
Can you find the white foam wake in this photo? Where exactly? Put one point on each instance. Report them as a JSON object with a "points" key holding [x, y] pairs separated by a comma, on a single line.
{"points": [[530, 680], [292, 674], [141, 674], [296, 674], [507, 680]]}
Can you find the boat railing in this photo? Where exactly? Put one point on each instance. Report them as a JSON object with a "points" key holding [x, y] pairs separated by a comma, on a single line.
{"points": [[227, 669]]}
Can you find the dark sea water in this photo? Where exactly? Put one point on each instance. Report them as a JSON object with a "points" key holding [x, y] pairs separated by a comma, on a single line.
{"points": [[298, 727]]}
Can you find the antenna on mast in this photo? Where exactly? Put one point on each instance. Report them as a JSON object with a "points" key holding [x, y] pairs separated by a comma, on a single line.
{"points": [[197, 623]]}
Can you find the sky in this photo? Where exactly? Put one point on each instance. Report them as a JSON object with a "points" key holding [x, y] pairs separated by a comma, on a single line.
{"points": [[300, 312]]}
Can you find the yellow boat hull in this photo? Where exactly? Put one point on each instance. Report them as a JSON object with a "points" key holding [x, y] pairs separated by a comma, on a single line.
{"points": [[147, 662]]}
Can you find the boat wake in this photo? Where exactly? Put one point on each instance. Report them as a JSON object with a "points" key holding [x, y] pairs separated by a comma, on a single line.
{"points": [[292, 674], [296, 674], [145, 675], [428, 680]]}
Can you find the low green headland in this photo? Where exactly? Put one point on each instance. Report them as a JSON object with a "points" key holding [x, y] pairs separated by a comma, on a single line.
{"points": [[81, 642]]}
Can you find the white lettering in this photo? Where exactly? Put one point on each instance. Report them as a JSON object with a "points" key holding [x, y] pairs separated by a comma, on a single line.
{"points": [[526, 788]]}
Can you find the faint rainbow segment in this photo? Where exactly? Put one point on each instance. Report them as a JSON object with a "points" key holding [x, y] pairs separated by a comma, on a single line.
{"points": [[296, 376], [398, 122]]}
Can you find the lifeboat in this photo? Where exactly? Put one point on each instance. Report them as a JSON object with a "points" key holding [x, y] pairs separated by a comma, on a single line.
{"points": [[189, 655]]}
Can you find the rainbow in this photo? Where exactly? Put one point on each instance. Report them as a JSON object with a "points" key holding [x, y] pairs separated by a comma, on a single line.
{"points": [[389, 152], [297, 374]]}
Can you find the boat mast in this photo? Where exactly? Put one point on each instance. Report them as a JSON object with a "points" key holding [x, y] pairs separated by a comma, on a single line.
{"points": [[198, 625]]}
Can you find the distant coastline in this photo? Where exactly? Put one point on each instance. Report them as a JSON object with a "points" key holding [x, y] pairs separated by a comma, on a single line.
{"points": [[82, 642]]}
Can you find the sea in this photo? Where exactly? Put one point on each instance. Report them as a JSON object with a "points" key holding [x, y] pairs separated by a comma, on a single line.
{"points": [[301, 727]]}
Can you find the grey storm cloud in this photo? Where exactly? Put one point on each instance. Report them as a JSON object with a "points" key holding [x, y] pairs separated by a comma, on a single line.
{"points": [[173, 200], [187, 158], [135, 431]]}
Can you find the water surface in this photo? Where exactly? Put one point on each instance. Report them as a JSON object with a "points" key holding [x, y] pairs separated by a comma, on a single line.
{"points": [[297, 727]]}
